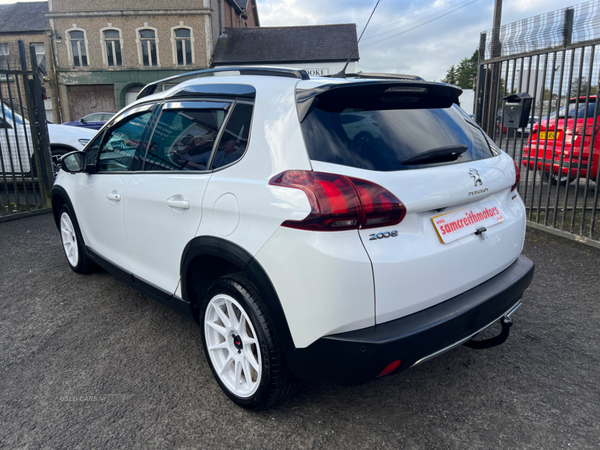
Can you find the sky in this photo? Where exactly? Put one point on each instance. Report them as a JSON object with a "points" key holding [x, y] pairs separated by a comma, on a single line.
{"points": [[389, 44]]}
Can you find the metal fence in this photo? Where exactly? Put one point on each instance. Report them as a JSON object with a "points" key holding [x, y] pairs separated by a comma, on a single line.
{"points": [[558, 151], [25, 164]]}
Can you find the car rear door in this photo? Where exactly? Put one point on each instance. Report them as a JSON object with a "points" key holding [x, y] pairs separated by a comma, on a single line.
{"points": [[163, 203]]}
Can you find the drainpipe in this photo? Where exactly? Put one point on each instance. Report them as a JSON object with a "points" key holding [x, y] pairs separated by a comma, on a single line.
{"points": [[53, 51], [221, 17]]}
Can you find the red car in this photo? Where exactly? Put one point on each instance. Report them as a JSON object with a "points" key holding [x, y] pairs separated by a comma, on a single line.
{"points": [[545, 133]]}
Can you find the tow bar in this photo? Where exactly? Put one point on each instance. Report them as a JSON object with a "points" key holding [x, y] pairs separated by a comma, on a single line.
{"points": [[506, 323]]}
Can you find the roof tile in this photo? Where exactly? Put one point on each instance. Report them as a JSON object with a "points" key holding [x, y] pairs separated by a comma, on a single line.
{"points": [[273, 45]]}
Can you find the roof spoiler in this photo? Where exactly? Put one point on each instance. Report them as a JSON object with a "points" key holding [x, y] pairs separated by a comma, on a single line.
{"points": [[446, 93], [381, 76]]}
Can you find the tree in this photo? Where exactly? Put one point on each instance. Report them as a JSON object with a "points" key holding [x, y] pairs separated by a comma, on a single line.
{"points": [[466, 72], [583, 89], [451, 76]]}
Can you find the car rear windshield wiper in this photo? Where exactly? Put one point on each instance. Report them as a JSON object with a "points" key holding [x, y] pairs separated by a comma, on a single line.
{"points": [[439, 154]]}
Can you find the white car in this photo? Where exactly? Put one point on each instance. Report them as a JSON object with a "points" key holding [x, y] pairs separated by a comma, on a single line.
{"points": [[325, 229], [16, 145]]}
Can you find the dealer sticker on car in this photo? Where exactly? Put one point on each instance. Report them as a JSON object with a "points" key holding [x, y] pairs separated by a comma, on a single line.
{"points": [[465, 221]]}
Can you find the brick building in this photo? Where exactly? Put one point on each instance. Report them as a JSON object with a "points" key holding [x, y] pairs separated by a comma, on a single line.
{"points": [[27, 21], [107, 51]]}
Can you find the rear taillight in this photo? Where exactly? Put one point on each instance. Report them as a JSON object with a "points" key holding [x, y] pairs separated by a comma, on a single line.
{"points": [[517, 177], [341, 203]]}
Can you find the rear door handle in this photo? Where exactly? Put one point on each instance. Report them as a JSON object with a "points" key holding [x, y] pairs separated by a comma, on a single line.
{"points": [[114, 196], [181, 204]]}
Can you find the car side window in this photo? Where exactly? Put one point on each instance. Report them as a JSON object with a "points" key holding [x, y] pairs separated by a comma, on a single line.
{"points": [[234, 141], [184, 138], [93, 148], [93, 118], [122, 144]]}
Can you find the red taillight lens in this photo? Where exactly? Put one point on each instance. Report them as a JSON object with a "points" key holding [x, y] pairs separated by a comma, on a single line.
{"points": [[341, 203], [381, 207], [517, 177]]}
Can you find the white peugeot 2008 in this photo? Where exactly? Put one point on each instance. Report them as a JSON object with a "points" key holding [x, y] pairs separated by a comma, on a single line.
{"points": [[325, 229]]}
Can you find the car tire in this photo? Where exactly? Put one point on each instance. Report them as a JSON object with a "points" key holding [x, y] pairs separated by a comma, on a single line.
{"points": [[244, 355], [553, 179], [56, 154], [72, 242]]}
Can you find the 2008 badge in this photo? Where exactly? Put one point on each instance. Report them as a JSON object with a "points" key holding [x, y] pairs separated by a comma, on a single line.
{"points": [[385, 234]]}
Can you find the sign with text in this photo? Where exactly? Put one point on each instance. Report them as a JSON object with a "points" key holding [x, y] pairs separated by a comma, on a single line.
{"points": [[462, 222], [317, 72]]}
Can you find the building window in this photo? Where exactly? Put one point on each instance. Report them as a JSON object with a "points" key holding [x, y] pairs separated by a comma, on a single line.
{"points": [[40, 55], [112, 47], [148, 43], [183, 46], [78, 48], [4, 59]]}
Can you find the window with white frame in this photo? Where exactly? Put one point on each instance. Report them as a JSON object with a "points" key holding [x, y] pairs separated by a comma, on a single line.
{"points": [[183, 46], [40, 54], [148, 43], [112, 46], [78, 50]]}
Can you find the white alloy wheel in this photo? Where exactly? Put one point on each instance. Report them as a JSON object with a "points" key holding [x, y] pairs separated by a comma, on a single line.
{"points": [[232, 345], [69, 239]]}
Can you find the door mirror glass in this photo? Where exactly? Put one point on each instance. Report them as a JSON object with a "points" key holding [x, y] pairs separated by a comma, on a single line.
{"points": [[74, 162], [122, 146]]}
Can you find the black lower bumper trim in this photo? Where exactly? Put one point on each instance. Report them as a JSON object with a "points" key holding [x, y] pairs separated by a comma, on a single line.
{"points": [[358, 356]]}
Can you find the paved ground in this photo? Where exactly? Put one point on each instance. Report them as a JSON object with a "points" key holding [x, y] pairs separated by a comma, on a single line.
{"points": [[140, 379]]}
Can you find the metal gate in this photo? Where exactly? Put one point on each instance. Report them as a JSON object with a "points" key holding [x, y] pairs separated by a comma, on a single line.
{"points": [[26, 175], [553, 57]]}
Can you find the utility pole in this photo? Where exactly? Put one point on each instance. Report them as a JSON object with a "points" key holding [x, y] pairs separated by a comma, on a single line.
{"points": [[496, 49]]}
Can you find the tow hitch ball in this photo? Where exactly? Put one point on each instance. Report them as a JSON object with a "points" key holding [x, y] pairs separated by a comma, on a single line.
{"points": [[506, 323]]}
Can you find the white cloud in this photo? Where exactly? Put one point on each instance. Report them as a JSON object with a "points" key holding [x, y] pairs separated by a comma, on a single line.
{"points": [[428, 50]]}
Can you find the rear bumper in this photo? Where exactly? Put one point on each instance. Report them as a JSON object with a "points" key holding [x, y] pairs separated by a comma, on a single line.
{"points": [[359, 356]]}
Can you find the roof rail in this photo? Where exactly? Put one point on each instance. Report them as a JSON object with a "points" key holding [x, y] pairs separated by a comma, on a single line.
{"points": [[301, 74], [384, 76]]}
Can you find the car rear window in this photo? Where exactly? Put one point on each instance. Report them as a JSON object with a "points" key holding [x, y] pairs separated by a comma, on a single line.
{"points": [[380, 134]]}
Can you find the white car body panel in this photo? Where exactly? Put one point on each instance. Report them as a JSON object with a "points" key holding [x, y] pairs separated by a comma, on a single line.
{"points": [[156, 232], [324, 282], [101, 220], [66, 136]]}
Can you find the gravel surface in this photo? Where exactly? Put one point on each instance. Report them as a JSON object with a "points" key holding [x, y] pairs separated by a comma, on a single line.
{"points": [[87, 362]]}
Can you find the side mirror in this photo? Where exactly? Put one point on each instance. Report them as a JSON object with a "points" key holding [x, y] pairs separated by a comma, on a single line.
{"points": [[74, 162]]}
